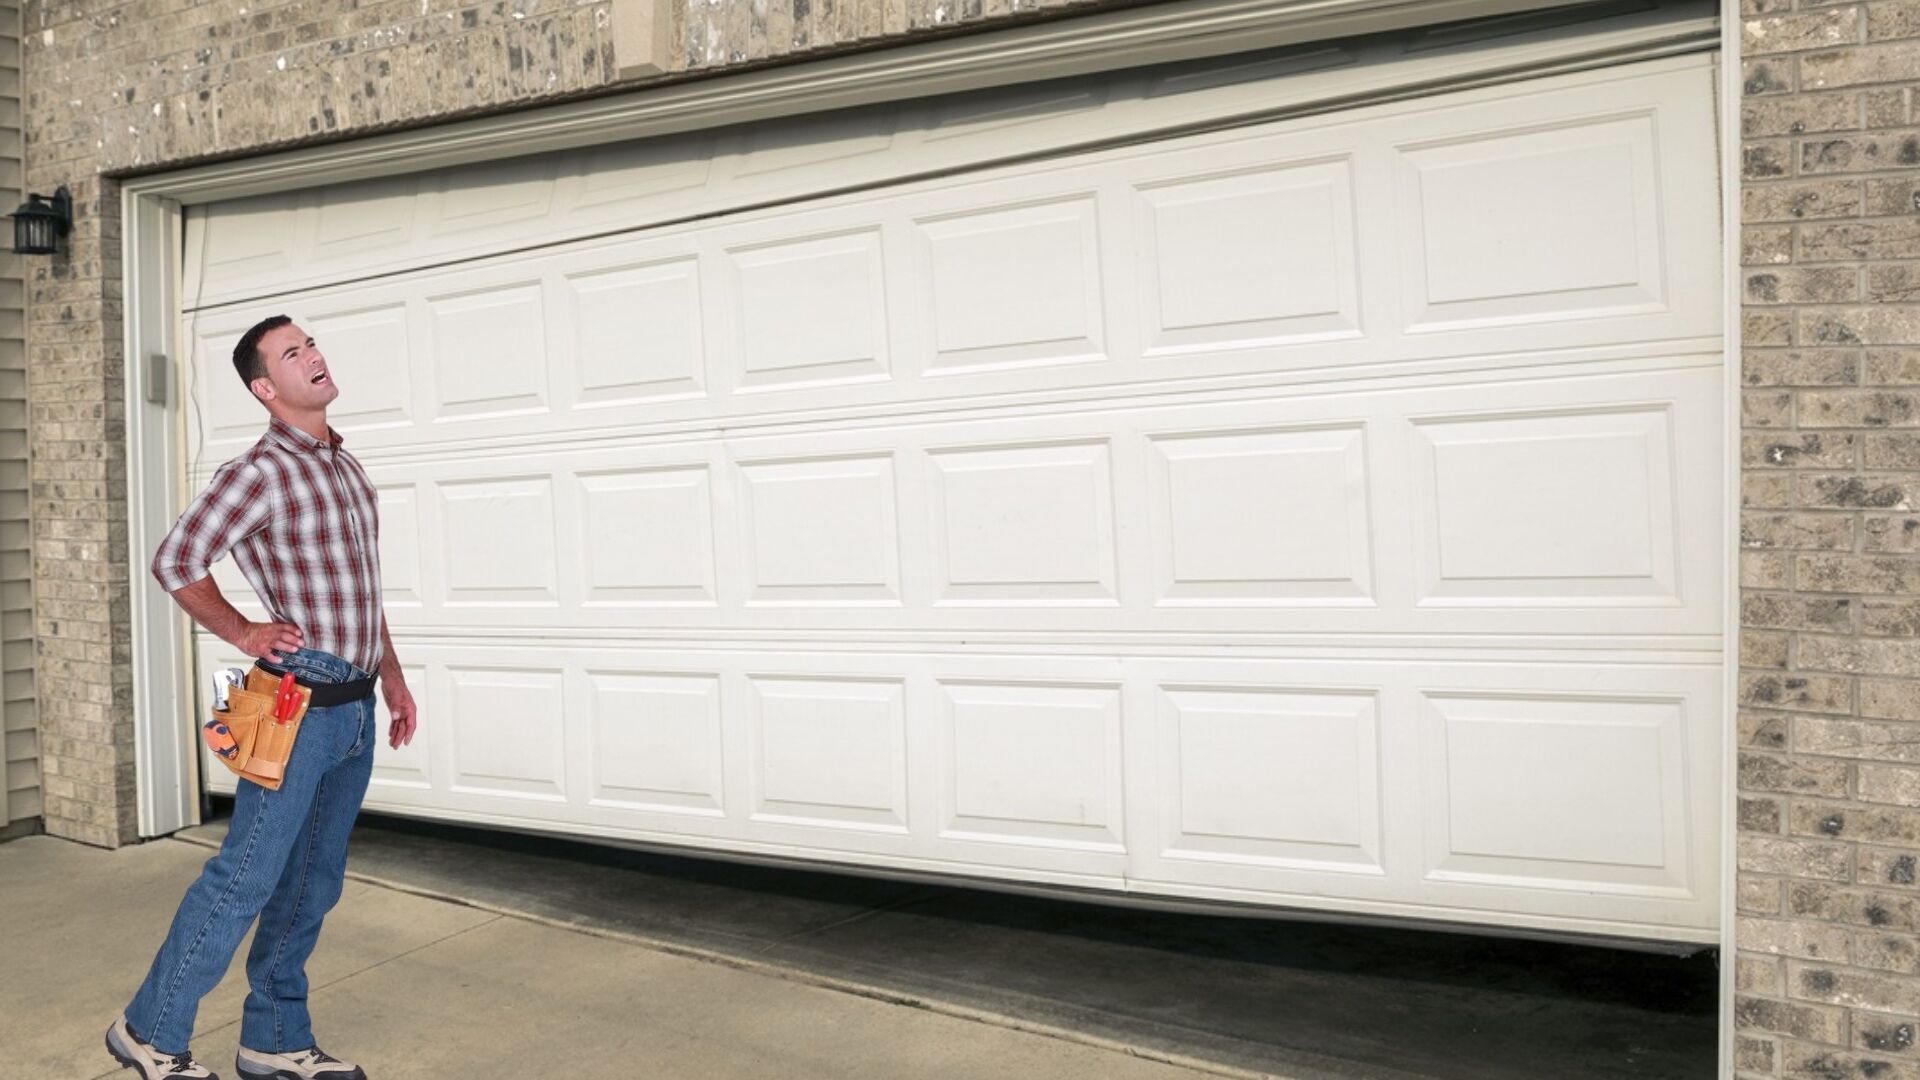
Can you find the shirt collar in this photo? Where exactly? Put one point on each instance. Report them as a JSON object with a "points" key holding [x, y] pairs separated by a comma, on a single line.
{"points": [[294, 439]]}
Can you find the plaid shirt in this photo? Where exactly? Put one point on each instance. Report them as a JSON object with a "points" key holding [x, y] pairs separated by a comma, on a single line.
{"points": [[303, 522]]}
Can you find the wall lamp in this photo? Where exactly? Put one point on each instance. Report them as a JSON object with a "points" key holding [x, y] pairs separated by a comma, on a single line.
{"points": [[40, 222]]}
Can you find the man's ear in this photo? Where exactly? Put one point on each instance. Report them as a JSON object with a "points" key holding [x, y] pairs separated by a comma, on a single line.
{"points": [[262, 388]]}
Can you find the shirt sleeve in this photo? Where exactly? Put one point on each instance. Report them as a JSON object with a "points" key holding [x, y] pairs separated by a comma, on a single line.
{"points": [[233, 507]]}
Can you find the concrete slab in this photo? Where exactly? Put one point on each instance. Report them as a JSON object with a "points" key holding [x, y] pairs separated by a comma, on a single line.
{"points": [[81, 925], [1303, 1000], [420, 988]]}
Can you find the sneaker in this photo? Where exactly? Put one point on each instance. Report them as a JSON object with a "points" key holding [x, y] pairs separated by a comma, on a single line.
{"points": [[312, 1063], [151, 1063]]}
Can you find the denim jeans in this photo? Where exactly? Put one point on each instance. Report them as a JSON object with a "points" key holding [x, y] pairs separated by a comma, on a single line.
{"points": [[283, 860]]}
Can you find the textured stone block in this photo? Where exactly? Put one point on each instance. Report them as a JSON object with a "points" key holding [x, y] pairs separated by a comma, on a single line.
{"points": [[1808, 941], [1802, 114], [1794, 858], [1884, 1034], [1801, 1061], [1810, 285], [1890, 699], [1812, 200], [1815, 1023], [1808, 693], [1866, 740], [1790, 33], [1763, 648], [1796, 532], [1857, 989], [1894, 238], [1792, 776], [1861, 66], [1757, 814], [1856, 907]]}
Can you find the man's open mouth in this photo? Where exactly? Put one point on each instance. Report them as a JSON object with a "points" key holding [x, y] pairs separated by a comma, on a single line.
{"points": [[318, 379]]}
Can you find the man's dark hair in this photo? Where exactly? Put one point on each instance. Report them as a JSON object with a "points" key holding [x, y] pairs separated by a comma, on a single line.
{"points": [[246, 355]]}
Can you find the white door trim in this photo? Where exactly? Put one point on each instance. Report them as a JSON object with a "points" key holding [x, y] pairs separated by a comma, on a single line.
{"points": [[1729, 113]]}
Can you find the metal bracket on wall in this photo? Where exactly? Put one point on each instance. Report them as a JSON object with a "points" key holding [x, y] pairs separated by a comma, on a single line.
{"points": [[155, 378]]}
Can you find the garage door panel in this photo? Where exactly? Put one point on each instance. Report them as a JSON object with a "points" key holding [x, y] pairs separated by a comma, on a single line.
{"points": [[1398, 784], [635, 332], [1560, 791], [1231, 510], [1491, 239], [809, 309], [1262, 257], [1052, 310], [1547, 508], [488, 349], [1321, 512], [806, 308], [1463, 508]]}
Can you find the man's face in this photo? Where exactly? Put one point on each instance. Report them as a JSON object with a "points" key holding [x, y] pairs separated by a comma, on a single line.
{"points": [[295, 372]]}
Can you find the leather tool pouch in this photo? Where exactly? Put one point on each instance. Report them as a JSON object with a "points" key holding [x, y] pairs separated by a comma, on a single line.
{"points": [[255, 745]]}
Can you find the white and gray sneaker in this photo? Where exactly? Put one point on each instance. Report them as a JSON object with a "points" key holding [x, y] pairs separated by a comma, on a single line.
{"points": [[309, 1064], [150, 1063]]}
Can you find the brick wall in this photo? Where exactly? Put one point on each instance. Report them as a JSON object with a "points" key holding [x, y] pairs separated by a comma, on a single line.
{"points": [[1829, 720], [118, 84]]}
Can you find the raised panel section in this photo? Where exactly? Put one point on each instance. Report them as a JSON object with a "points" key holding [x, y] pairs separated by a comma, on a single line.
{"points": [[1253, 517], [466, 201], [508, 731], [1024, 524], [636, 332], [246, 238], [369, 360], [649, 536], [830, 752], [372, 219], [1575, 792], [1273, 778], [1552, 223], [811, 311], [821, 530], [1255, 257], [656, 741], [499, 541], [400, 544], [489, 352], [1011, 287], [1032, 763], [1548, 508]]}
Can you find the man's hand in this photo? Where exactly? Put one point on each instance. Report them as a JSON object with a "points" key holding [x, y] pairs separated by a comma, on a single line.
{"points": [[400, 706], [266, 641]]}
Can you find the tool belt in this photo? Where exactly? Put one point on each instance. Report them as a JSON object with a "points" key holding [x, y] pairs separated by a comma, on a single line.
{"points": [[248, 738]]}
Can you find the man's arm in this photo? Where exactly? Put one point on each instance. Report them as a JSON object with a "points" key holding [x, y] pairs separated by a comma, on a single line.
{"points": [[235, 505], [406, 716], [203, 601]]}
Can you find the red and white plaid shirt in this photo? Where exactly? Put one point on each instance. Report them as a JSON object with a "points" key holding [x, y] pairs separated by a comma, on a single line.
{"points": [[303, 523]]}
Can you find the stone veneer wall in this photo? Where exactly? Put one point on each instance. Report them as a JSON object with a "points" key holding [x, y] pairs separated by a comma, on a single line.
{"points": [[1829, 711]]}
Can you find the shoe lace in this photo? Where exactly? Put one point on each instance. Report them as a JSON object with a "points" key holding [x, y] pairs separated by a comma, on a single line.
{"points": [[183, 1062], [317, 1056]]}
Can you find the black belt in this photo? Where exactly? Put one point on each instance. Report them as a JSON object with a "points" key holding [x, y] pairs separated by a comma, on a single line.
{"points": [[325, 695]]}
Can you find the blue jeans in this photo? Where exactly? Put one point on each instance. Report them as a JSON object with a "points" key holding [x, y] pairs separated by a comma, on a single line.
{"points": [[283, 860]]}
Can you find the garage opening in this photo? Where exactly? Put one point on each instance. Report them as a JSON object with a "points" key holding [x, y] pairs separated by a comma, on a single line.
{"points": [[1291, 481]]}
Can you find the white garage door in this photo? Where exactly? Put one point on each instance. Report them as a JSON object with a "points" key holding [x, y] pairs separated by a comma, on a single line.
{"points": [[1318, 513]]}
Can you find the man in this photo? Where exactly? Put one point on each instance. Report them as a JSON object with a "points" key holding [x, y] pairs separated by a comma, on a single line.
{"points": [[301, 519]]}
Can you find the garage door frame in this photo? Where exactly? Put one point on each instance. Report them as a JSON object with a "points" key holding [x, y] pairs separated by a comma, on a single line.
{"points": [[152, 208]]}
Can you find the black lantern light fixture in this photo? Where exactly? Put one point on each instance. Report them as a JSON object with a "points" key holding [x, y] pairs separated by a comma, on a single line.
{"points": [[40, 222]]}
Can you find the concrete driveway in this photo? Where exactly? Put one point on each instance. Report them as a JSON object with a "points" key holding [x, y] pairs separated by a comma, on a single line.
{"points": [[418, 988]]}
